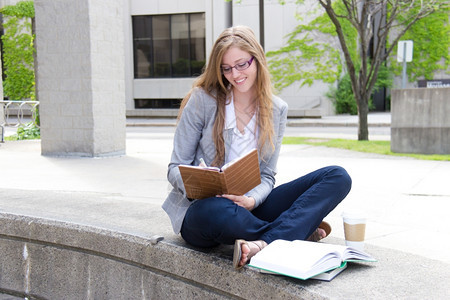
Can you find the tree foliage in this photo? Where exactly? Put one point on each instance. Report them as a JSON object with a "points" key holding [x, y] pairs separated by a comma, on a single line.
{"points": [[23, 9], [18, 51], [431, 37], [375, 26], [310, 54]]}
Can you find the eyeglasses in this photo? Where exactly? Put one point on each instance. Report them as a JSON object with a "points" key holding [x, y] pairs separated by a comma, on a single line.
{"points": [[239, 67]]}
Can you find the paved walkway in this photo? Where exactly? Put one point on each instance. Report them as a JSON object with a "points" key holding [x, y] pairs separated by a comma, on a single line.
{"points": [[406, 200]]}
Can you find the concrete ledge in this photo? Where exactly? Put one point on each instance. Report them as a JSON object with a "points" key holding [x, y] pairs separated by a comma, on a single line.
{"points": [[49, 259], [304, 113], [173, 113], [150, 112]]}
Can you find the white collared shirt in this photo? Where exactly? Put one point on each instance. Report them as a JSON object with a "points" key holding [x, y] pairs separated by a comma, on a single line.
{"points": [[241, 142]]}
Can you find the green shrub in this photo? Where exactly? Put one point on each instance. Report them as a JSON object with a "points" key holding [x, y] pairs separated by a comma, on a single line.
{"points": [[28, 131], [342, 96]]}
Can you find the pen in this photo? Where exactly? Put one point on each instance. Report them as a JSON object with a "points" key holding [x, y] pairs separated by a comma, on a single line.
{"points": [[202, 162]]}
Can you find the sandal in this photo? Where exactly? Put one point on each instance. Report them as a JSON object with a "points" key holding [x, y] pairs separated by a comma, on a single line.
{"points": [[237, 254], [315, 236]]}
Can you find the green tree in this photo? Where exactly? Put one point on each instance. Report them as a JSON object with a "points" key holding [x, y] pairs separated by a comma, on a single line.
{"points": [[309, 55], [360, 26], [18, 51], [431, 38]]}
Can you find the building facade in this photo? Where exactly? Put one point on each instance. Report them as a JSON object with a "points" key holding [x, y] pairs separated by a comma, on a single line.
{"points": [[168, 43]]}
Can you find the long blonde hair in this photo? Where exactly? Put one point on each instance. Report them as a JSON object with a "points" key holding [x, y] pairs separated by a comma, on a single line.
{"points": [[215, 84]]}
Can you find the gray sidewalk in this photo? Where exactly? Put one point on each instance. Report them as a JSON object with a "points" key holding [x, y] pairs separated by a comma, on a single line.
{"points": [[406, 200]]}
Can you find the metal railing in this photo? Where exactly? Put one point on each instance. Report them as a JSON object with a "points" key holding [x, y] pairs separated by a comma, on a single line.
{"points": [[17, 113]]}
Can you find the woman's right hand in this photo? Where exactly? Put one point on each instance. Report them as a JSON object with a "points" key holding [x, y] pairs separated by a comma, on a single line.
{"points": [[244, 201]]}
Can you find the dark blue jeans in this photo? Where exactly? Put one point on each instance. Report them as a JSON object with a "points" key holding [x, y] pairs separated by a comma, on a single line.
{"points": [[292, 211]]}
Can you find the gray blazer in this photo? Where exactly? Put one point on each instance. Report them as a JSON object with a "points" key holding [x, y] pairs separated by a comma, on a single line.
{"points": [[193, 140]]}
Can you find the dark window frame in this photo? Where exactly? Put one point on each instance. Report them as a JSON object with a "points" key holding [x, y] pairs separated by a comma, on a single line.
{"points": [[157, 103], [150, 55]]}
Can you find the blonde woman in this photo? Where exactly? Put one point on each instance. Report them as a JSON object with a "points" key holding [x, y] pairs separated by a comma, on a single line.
{"points": [[230, 110]]}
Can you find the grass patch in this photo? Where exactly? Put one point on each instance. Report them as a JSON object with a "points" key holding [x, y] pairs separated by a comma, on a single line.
{"points": [[378, 147]]}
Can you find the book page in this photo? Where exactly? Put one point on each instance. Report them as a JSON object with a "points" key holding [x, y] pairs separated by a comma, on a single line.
{"points": [[225, 166], [202, 168], [325, 276], [299, 259], [352, 254]]}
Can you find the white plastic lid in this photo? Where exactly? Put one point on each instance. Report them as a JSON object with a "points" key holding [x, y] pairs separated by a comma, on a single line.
{"points": [[354, 216]]}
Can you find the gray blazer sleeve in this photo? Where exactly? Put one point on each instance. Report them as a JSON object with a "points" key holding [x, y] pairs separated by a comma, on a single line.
{"points": [[192, 141], [268, 163], [185, 142]]}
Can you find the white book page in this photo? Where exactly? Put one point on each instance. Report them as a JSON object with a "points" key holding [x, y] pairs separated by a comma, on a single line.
{"points": [[202, 168], [299, 258], [225, 166]]}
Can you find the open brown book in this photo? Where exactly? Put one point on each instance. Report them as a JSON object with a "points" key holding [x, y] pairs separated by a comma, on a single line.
{"points": [[235, 178]]}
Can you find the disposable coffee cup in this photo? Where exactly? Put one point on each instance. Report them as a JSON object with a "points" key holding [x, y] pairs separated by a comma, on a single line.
{"points": [[354, 229]]}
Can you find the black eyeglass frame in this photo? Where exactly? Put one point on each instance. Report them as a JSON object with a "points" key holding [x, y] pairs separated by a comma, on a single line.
{"points": [[240, 66]]}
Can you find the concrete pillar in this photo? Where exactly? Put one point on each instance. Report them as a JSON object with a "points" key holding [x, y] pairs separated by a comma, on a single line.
{"points": [[80, 54]]}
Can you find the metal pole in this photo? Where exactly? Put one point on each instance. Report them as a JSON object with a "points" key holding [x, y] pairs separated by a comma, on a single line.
{"points": [[261, 22], [404, 67], [229, 14]]}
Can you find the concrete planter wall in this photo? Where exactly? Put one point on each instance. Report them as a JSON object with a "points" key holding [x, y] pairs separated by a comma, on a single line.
{"points": [[420, 121], [46, 259], [49, 259]]}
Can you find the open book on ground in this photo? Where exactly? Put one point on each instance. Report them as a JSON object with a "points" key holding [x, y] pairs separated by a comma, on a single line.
{"points": [[236, 178], [305, 260], [325, 276]]}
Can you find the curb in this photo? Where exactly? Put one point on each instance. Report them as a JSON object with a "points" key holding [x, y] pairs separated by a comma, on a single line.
{"points": [[289, 123]]}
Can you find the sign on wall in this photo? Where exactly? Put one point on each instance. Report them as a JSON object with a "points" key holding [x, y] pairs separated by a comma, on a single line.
{"points": [[436, 83]]}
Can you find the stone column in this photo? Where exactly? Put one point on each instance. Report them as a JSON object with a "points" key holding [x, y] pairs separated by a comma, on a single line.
{"points": [[80, 54]]}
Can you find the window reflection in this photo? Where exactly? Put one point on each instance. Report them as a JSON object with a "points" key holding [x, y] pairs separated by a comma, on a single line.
{"points": [[197, 43], [142, 45], [180, 45]]}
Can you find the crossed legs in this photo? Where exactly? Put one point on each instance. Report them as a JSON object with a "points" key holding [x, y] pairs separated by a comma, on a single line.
{"points": [[293, 210]]}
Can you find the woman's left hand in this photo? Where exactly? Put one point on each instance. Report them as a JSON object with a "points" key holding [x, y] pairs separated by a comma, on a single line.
{"points": [[244, 201]]}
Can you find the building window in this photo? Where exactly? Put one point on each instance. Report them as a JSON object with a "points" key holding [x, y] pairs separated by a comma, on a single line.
{"points": [[157, 103], [167, 46]]}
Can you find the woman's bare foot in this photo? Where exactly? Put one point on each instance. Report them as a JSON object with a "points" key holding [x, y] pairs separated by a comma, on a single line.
{"points": [[249, 249], [321, 232], [317, 235]]}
